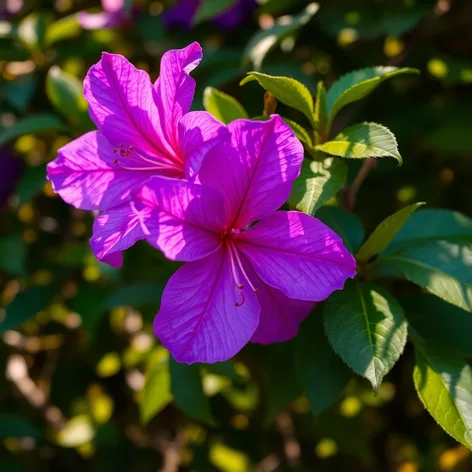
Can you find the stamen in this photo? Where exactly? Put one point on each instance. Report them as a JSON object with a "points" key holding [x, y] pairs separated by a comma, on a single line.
{"points": [[233, 268], [240, 265], [131, 153]]}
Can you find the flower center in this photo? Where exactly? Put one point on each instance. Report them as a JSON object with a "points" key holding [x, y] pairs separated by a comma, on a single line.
{"points": [[236, 263], [134, 157]]}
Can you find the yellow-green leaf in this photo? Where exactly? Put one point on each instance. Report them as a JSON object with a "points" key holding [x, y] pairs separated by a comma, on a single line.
{"points": [[222, 106]]}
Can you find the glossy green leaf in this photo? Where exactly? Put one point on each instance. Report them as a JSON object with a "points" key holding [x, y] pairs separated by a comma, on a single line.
{"points": [[211, 8], [318, 182], [300, 132], [344, 223], [385, 232], [429, 225], [157, 392], [320, 371], [222, 106], [13, 254], [32, 124], [65, 28], [287, 90], [187, 389], [366, 327], [321, 117], [362, 141], [443, 382], [358, 84], [26, 305], [65, 93], [15, 427], [265, 40], [436, 320], [440, 267], [31, 183], [136, 295]]}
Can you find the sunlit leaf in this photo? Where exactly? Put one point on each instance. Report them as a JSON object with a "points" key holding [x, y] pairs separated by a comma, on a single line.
{"points": [[300, 132], [358, 84], [265, 40], [363, 141], [222, 106], [318, 182], [64, 28], [287, 90], [321, 117], [385, 232], [440, 267], [345, 224], [366, 327], [444, 384]]}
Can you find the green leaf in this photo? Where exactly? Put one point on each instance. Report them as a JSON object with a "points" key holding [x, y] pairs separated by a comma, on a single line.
{"points": [[136, 295], [358, 84], [31, 183], [436, 320], [366, 327], [385, 232], [157, 394], [443, 382], [65, 93], [31, 125], [187, 389], [88, 303], [287, 90], [362, 141], [64, 28], [222, 106], [318, 182], [32, 30], [26, 305], [15, 427], [20, 91], [440, 267], [320, 372], [320, 106], [300, 132], [13, 254], [344, 223], [265, 40], [211, 8], [429, 225]]}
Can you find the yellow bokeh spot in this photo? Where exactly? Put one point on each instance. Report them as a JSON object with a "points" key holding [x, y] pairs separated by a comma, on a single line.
{"points": [[350, 406], [195, 434], [449, 459], [26, 213], [91, 273], [240, 421], [48, 190], [352, 17], [58, 312], [29, 236], [227, 459], [408, 467], [101, 407], [393, 46], [86, 450], [42, 277], [437, 68], [79, 228], [12, 445], [347, 36], [26, 143], [109, 364], [326, 448], [446, 175], [301, 405], [466, 75], [77, 432], [406, 194]]}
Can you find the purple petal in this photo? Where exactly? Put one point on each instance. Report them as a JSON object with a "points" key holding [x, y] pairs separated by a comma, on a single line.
{"points": [[280, 316], [255, 173], [85, 176], [101, 20], [122, 105], [119, 228], [201, 317], [191, 218], [199, 132], [174, 91], [113, 6], [298, 254]]}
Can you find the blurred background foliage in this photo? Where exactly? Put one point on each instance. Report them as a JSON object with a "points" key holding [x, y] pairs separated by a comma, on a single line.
{"points": [[84, 384]]}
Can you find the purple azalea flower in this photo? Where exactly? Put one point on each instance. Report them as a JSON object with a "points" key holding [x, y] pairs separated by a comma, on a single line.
{"points": [[145, 129], [242, 282], [113, 14], [182, 13]]}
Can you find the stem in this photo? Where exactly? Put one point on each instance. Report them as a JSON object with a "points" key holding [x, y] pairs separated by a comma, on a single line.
{"points": [[350, 195], [270, 104]]}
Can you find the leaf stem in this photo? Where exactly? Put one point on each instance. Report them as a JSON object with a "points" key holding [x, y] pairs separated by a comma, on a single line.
{"points": [[270, 104], [350, 195]]}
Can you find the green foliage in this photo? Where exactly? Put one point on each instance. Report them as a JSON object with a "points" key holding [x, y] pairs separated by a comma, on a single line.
{"points": [[321, 373], [210, 9], [31, 183], [366, 327], [12, 254], [385, 232], [318, 182], [357, 85], [15, 427], [444, 384], [321, 114], [288, 91], [363, 141], [222, 106]]}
